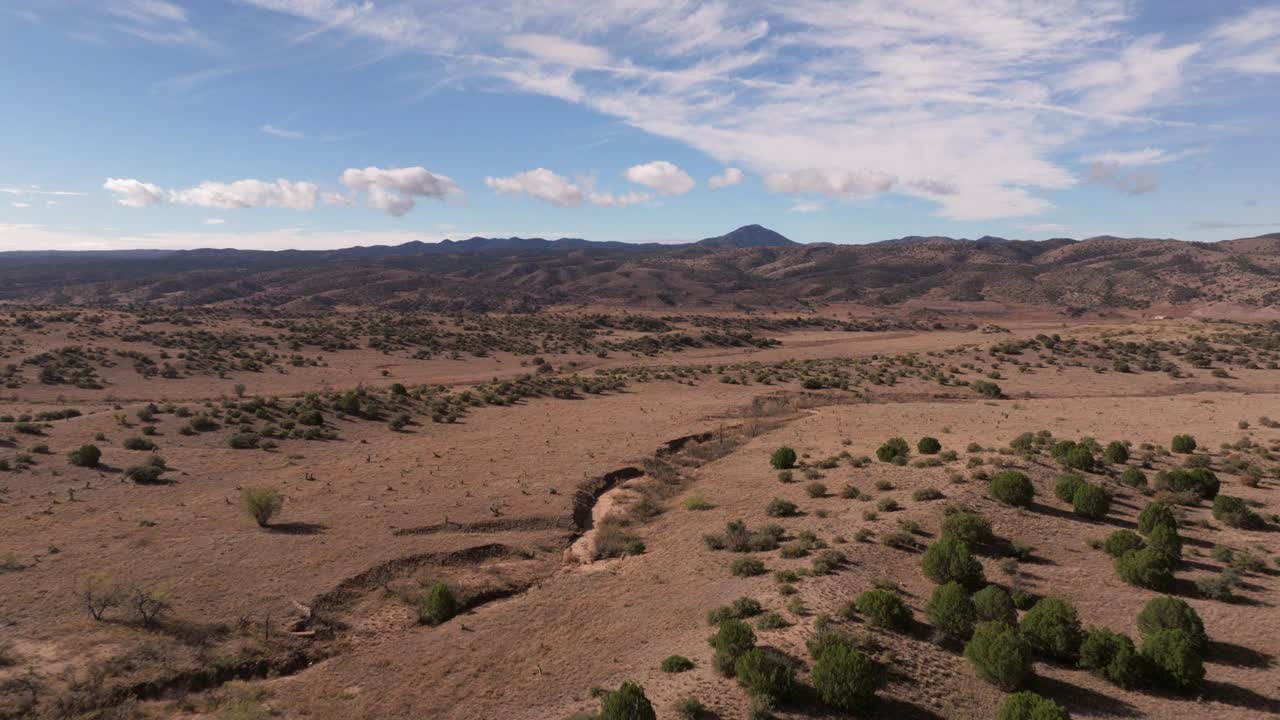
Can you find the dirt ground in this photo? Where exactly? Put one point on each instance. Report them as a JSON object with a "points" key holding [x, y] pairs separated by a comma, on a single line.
{"points": [[313, 616]]}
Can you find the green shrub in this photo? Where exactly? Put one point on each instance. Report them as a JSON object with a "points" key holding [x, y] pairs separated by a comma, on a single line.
{"points": [[1133, 477], [676, 664], [1030, 706], [1170, 613], [1199, 481], [968, 527], [926, 494], [85, 456], [828, 561], [1065, 488], [884, 609], [690, 708], [987, 389], [784, 458], [766, 673], [1052, 629], [1112, 657], [1174, 660], [1122, 541], [746, 567], [138, 443], [999, 655], [892, 449], [952, 611], [1117, 453], [697, 502], [1079, 458], [243, 441], [1165, 542], [144, 474], [929, 446], [815, 490], [438, 605], [627, 703], [262, 503], [1183, 444], [1233, 512], [1145, 568], [1155, 513], [993, 604], [844, 678], [780, 508], [1091, 501], [1013, 488], [949, 559], [732, 639]]}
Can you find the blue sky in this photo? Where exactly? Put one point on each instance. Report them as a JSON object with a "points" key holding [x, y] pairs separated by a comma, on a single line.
{"points": [[328, 123]]}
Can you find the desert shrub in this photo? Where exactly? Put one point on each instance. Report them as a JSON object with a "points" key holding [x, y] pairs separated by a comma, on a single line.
{"points": [[1027, 705], [144, 474], [784, 458], [262, 503], [765, 673], [1079, 457], [1091, 501], [1133, 477], [1165, 542], [828, 561], [968, 527], [732, 639], [952, 611], [992, 603], [844, 678], [1112, 657], [676, 664], [1122, 541], [1170, 613], [1065, 488], [1013, 488], [243, 441], [987, 389], [999, 655], [949, 559], [772, 621], [438, 605], [202, 423], [887, 504], [138, 443], [1145, 568], [1154, 514], [1183, 444], [928, 446], [892, 449], [746, 567], [780, 508], [690, 708], [786, 476], [1233, 512], [1052, 629], [696, 502], [884, 609], [1174, 660], [1201, 482], [627, 703], [85, 456], [815, 490], [926, 494], [1117, 453]]}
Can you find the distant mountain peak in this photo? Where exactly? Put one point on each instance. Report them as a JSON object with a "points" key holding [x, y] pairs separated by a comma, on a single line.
{"points": [[748, 236]]}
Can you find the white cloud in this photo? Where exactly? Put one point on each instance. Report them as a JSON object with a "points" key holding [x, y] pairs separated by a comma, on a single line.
{"points": [[661, 176], [840, 183], [1144, 74], [135, 193], [806, 206], [147, 12], [545, 185], [282, 132], [248, 194], [557, 50], [37, 190], [21, 205], [214, 221], [611, 200], [1132, 183], [1255, 26], [393, 190], [156, 21], [1146, 156], [729, 176]]}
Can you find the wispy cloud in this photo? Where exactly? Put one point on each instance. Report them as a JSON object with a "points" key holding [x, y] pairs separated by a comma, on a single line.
{"points": [[549, 187], [282, 132]]}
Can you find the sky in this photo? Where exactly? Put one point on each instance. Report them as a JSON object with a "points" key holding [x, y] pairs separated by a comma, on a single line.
{"points": [[329, 123]]}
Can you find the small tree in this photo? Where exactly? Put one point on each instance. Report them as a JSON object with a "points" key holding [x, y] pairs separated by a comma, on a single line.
{"points": [[1145, 568], [968, 527], [1030, 706], [1170, 613], [929, 446], [999, 655], [992, 603], [1117, 453], [262, 503], [1091, 501], [765, 673], [1065, 488], [1052, 629], [844, 678], [85, 456], [1122, 541], [1133, 477], [893, 449], [1165, 542], [948, 560], [438, 605], [1174, 660], [733, 638], [1183, 444], [884, 609], [98, 594], [1233, 512], [1013, 488], [1155, 513], [784, 458], [952, 611], [627, 703], [1112, 657], [149, 605]]}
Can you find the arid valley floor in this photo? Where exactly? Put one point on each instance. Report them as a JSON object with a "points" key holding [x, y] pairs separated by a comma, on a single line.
{"points": [[575, 479]]}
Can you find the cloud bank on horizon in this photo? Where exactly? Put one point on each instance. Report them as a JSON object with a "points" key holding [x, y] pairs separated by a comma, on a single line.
{"points": [[995, 111]]}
